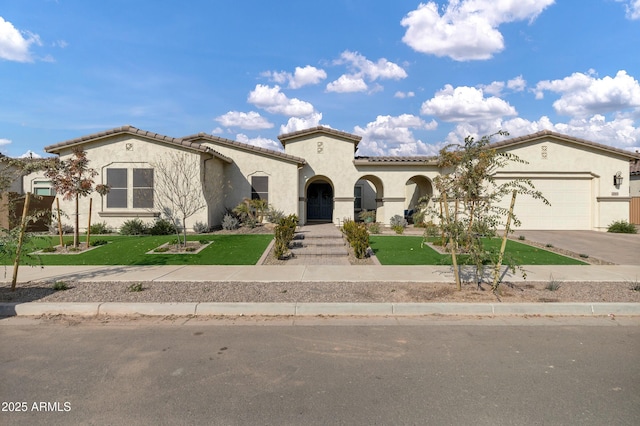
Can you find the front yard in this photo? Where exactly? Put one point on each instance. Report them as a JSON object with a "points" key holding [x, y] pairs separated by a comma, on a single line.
{"points": [[241, 249], [409, 250]]}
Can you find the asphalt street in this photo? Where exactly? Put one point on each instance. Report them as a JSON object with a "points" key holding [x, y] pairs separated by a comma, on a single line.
{"points": [[320, 371]]}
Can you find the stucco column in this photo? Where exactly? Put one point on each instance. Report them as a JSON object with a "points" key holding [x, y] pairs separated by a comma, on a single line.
{"points": [[392, 206], [342, 209]]}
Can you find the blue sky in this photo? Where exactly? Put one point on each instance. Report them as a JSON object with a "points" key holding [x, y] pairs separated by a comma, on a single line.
{"points": [[409, 77]]}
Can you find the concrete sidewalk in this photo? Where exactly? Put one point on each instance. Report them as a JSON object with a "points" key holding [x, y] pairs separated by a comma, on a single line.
{"points": [[318, 273]]}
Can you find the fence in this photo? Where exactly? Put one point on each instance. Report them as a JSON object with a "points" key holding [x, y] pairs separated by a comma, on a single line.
{"points": [[634, 210]]}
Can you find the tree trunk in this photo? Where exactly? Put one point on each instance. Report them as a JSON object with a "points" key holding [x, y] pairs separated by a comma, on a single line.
{"points": [[76, 232], [23, 228], [452, 244], [496, 272]]}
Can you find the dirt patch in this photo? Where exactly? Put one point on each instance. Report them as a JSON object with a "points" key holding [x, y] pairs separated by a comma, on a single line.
{"points": [[305, 292]]}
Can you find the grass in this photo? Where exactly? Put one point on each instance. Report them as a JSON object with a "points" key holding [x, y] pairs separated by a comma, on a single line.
{"points": [[406, 250], [131, 250]]}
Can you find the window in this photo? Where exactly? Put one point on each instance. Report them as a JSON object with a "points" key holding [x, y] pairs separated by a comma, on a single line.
{"points": [[143, 188], [260, 188], [117, 196], [43, 187], [357, 197], [130, 188]]}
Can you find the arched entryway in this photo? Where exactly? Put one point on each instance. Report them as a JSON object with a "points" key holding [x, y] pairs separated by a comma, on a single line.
{"points": [[320, 200], [418, 191], [368, 193]]}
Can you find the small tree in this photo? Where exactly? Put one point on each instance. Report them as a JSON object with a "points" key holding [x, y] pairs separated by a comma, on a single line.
{"points": [[73, 178], [178, 189], [469, 198]]}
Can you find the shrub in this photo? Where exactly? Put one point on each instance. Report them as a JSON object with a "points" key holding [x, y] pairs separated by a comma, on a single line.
{"points": [[162, 227], [431, 229], [367, 216], [201, 228], [60, 286], [374, 228], [100, 228], [274, 216], [66, 229], [553, 285], [398, 223], [49, 249], [418, 219], [96, 243], [162, 249], [284, 232], [251, 222], [134, 227], [357, 236], [521, 238], [135, 288], [622, 227], [229, 222]]}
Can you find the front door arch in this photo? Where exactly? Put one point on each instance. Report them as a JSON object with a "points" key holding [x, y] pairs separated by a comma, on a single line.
{"points": [[320, 201]]}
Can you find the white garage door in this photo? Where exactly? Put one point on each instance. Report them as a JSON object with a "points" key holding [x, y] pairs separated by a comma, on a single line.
{"points": [[570, 205]]}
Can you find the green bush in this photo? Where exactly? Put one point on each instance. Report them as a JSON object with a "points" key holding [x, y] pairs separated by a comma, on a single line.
{"points": [[135, 288], [49, 249], [374, 228], [284, 232], [398, 223], [60, 286], [201, 228], [622, 227], [100, 228], [357, 236], [274, 216], [230, 222], [162, 227], [431, 229], [96, 243], [134, 227], [418, 219]]}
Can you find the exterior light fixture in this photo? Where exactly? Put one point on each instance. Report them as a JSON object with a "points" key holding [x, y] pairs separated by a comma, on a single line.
{"points": [[617, 179]]}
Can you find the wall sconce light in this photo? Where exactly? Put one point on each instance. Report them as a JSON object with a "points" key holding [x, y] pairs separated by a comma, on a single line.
{"points": [[617, 179]]}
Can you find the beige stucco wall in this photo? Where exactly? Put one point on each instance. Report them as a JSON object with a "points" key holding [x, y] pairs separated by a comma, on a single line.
{"points": [[127, 151], [235, 182], [553, 162]]}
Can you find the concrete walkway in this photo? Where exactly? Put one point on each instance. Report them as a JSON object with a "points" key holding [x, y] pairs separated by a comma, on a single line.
{"points": [[319, 244]]}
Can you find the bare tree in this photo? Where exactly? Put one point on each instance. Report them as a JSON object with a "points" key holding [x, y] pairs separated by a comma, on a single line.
{"points": [[178, 189]]}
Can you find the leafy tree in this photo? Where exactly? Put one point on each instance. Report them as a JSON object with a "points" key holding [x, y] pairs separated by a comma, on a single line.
{"points": [[73, 178], [469, 202]]}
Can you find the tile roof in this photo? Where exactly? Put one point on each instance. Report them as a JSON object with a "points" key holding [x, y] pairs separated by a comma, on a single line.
{"points": [[381, 160], [246, 147], [319, 129], [634, 167], [571, 139], [138, 132]]}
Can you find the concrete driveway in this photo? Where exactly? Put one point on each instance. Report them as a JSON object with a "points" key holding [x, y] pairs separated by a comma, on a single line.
{"points": [[621, 249]]}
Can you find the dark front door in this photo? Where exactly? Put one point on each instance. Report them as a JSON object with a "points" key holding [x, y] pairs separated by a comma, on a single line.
{"points": [[320, 201]]}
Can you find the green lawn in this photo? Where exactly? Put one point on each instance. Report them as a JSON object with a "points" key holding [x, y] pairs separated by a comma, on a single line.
{"points": [[406, 250], [131, 250]]}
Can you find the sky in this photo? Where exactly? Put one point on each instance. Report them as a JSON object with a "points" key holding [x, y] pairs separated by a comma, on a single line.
{"points": [[409, 77]]}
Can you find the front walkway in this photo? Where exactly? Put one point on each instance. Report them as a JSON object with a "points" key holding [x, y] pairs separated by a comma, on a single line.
{"points": [[319, 244]]}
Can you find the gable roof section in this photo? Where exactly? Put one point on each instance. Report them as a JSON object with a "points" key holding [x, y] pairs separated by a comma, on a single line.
{"points": [[194, 146], [320, 129], [217, 140], [634, 167], [570, 139]]}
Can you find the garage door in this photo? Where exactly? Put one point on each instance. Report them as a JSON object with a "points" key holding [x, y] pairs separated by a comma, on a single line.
{"points": [[570, 205]]}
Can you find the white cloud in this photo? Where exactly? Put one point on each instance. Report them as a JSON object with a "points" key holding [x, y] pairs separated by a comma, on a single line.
{"points": [[217, 131], [393, 135], [362, 70], [4, 141], [300, 123], [259, 142], [244, 120], [467, 29], [402, 95], [465, 104], [517, 84], [632, 8], [14, 44], [30, 154], [619, 132], [347, 84], [274, 101], [583, 95], [308, 75], [494, 88]]}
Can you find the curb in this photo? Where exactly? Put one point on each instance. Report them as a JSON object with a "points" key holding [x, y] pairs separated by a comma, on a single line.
{"points": [[315, 309]]}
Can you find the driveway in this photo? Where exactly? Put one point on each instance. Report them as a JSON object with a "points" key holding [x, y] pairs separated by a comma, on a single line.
{"points": [[621, 249]]}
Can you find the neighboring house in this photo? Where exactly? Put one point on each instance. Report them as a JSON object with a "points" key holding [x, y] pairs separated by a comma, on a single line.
{"points": [[319, 177], [634, 191]]}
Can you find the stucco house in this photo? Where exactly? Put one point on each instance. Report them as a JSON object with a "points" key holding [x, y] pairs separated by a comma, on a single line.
{"points": [[320, 177]]}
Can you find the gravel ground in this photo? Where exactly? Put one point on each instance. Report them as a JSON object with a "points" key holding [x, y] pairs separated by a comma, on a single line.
{"points": [[301, 292]]}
